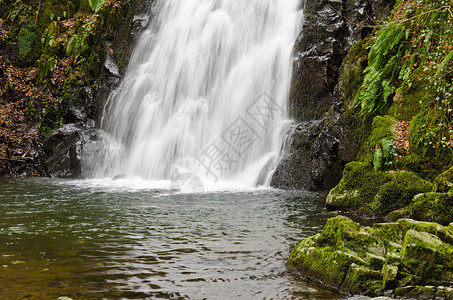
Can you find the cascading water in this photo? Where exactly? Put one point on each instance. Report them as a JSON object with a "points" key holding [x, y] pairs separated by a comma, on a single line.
{"points": [[206, 92]]}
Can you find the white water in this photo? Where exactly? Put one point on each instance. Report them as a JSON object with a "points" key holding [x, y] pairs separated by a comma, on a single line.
{"points": [[205, 93]]}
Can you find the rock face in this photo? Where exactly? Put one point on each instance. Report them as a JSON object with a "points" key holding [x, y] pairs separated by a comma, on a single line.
{"points": [[72, 151], [322, 144], [58, 63], [330, 28], [316, 153], [406, 258]]}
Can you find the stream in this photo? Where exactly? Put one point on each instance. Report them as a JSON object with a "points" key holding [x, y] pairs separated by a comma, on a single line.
{"points": [[104, 239]]}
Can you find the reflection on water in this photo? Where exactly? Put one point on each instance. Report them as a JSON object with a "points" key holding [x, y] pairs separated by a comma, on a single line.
{"points": [[58, 238]]}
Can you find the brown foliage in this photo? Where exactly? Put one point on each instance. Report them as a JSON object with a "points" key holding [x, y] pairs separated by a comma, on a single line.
{"points": [[402, 136]]}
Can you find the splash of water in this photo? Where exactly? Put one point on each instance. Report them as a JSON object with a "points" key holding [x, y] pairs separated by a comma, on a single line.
{"points": [[206, 92]]}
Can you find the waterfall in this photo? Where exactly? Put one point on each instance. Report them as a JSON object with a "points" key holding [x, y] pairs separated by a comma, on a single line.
{"points": [[205, 92]]}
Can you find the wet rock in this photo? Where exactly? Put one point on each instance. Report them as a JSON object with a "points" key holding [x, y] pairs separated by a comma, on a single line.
{"points": [[315, 156], [118, 177], [330, 28], [111, 65], [415, 260], [73, 151]]}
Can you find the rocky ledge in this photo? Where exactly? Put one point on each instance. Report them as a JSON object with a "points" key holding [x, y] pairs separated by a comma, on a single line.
{"points": [[406, 258], [394, 194]]}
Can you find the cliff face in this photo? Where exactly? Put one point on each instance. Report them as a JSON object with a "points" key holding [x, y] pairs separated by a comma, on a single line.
{"points": [[385, 101], [58, 62], [394, 100], [320, 146], [390, 110]]}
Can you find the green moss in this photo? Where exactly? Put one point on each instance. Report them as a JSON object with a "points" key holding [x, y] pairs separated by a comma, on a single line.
{"points": [[410, 96], [383, 127], [432, 207], [444, 182], [357, 188], [31, 113], [398, 192], [351, 76], [425, 155], [367, 191], [362, 260], [51, 118], [422, 254], [362, 280]]}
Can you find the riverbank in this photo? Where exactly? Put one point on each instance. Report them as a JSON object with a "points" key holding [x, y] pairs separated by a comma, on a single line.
{"points": [[394, 96]]}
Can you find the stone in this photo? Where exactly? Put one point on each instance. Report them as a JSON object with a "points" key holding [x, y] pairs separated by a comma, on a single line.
{"points": [[315, 155], [377, 261], [444, 181], [432, 207], [371, 192], [361, 279], [329, 30], [73, 151], [389, 273]]}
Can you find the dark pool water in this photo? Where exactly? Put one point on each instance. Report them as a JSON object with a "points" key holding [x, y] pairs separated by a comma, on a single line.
{"points": [[68, 238]]}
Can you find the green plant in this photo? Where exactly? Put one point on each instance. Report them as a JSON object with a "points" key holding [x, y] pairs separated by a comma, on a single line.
{"points": [[420, 34]]}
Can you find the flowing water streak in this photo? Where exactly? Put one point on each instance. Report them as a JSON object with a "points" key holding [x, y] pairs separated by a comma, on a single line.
{"points": [[206, 91]]}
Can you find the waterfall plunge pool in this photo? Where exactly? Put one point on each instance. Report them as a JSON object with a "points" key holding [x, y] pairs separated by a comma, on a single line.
{"points": [[77, 239]]}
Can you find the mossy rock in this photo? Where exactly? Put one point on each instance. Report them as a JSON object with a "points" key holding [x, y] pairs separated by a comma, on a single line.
{"points": [[420, 254], [389, 257], [351, 76], [357, 188], [431, 207], [444, 182], [370, 192], [383, 127], [398, 192], [409, 96]]}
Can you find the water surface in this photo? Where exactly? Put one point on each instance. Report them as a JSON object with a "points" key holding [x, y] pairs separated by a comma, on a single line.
{"points": [[76, 239]]}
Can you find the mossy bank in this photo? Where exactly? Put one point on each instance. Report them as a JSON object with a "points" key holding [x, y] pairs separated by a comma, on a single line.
{"points": [[400, 113], [53, 69], [395, 97], [406, 258]]}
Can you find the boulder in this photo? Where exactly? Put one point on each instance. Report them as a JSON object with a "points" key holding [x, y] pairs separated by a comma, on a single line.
{"points": [[371, 192], [431, 207], [390, 258], [315, 156], [73, 151]]}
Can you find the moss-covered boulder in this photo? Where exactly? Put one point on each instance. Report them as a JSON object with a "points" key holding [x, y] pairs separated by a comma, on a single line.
{"points": [[431, 207], [444, 182], [388, 257], [371, 192]]}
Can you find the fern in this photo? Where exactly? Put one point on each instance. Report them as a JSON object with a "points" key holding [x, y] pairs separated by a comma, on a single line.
{"points": [[444, 62], [382, 69]]}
